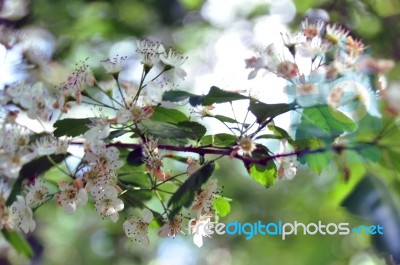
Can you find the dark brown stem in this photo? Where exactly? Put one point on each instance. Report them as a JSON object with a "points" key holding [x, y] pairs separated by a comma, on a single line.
{"points": [[246, 159]]}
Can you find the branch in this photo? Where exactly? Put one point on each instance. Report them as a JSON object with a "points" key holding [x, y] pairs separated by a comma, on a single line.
{"points": [[246, 159]]}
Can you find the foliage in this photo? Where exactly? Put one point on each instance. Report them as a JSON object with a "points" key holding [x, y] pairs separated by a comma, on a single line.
{"points": [[138, 134]]}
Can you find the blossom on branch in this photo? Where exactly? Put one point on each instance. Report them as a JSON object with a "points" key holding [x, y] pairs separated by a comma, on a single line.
{"points": [[137, 227]]}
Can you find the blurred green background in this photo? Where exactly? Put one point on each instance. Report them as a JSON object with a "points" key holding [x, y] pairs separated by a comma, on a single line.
{"points": [[89, 28]]}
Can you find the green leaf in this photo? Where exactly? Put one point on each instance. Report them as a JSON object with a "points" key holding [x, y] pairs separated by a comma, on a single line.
{"points": [[176, 95], [269, 136], [18, 242], [181, 159], [316, 161], [166, 130], [224, 118], [329, 122], [217, 95], [136, 198], [71, 127], [222, 206], [369, 152], [264, 111], [168, 115], [220, 139], [117, 133], [279, 132], [184, 196], [196, 128], [265, 175], [32, 170]]}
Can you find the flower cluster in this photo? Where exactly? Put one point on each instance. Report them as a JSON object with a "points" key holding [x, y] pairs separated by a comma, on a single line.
{"points": [[316, 61], [132, 135]]}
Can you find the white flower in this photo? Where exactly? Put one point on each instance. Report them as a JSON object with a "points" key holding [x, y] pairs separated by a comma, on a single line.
{"points": [[22, 215], [20, 94], [288, 163], [149, 52], [392, 96], [311, 30], [291, 41], [154, 160], [137, 227], [205, 198], [95, 177], [41, 108], [107, 203], [175, 60], [77, 81], [4, 211], [335, 33], [70, 196], [99, 129], [36, 194], [12, 67], [246, 146], [287, 169], [153, 93], [193, 166], [15, 138], [141, 113], [113, 65], [11, 164], [106, 158], [171, 228], [314, 47], [334, 97], [123, 115], [4, 191], [201, 228], [48, 145], [256, 63]]}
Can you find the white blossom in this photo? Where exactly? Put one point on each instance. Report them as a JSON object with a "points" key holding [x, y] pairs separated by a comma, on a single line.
{"points": [[37, 193], [200, 228], [137, 227], [287, 168], [107, 203], [70, 197], [96, 178], [113, 65], [246, 146], [11, 164], [99, 129], [22, 215], [48, 145], [204, 200], [149, 52], [105, 157], [175, 60], [171, 228]]}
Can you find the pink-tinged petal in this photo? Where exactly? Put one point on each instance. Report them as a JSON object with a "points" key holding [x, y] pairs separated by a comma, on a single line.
{"points": [[118, 204], [164, 231], [180, 73], [70, 208], [110, 192], [32, 225], [114, 217], [252, 74], [144, 240], [147, 216], [82, 197]]}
